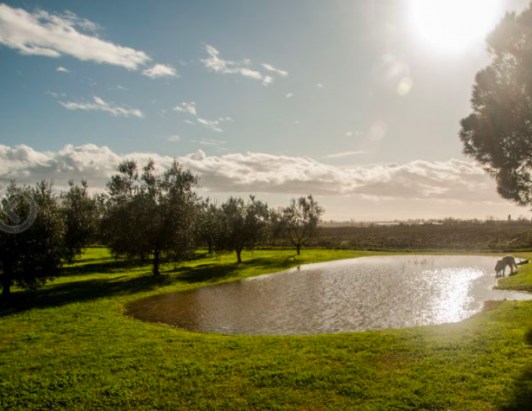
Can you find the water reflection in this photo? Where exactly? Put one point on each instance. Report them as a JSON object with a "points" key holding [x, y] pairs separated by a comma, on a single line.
{"points": [[351, 295]]}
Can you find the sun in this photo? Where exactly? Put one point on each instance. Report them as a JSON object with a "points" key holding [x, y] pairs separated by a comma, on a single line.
{"points": [[453, 25]]}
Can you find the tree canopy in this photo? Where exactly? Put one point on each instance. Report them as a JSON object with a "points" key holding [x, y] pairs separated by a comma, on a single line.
{"points": [[244, 224], [151, 214], [81, 217], [209, 224], [498, 133], [30, 257], [300, 220]]}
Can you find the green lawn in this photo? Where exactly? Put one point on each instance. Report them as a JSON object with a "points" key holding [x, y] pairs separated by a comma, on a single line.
{"points": [[70, 347]]}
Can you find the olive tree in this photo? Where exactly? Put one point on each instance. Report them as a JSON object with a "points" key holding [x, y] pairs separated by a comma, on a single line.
{"points": [[209, 224], [300, 220], [81, 216], [498, 133], [29, 258], [151, 214], [244, 225], [120, 229]]}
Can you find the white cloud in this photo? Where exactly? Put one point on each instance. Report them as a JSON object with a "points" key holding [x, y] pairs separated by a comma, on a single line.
{"points": [[453, 180], [62, 70], [100, 105], [190, 108], [289, 95], [55, 35], [28, 166], [346, 154], [267, 80], [246, 72], [213, 125], [211, 142], [269, 67], [160, 70], [174, 139], [218, 65], [354, 133], [84, 24], [319, 85]]}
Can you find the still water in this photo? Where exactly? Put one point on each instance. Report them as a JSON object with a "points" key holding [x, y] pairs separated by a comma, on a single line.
{"points": [[350, 295]]}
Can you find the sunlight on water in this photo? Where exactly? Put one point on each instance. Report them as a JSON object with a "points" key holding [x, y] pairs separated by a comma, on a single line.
{"points": [[454, 301], [351, 295]]}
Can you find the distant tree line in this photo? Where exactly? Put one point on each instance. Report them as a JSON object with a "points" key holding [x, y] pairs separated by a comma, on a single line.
{"points": [[518, 221], [144, 215]]}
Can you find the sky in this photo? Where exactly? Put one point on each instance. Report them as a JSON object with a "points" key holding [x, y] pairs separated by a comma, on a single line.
{"points": [[356, 102]]}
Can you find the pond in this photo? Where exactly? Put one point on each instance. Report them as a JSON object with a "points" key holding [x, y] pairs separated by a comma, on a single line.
{"points": [[360, 294]]}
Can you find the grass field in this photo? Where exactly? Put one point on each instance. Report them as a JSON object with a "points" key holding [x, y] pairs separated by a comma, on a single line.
{"points": [[522, 281], [70, 347]]}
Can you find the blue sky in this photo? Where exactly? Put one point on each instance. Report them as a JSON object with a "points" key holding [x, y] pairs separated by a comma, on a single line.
{"points": [[352, 85]]}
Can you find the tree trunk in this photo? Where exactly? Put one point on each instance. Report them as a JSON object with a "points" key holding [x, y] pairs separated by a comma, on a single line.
{"points": [[210, 248], [298, 249], [238, 255], [156, 262], [6, 284]]}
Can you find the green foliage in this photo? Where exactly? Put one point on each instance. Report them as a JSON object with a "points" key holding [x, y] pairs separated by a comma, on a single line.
{"points": [[209, 224], [151, 214], [29, 258], [498, 133], [71, 348], [82, 219], [299, 221], [244, 225]]}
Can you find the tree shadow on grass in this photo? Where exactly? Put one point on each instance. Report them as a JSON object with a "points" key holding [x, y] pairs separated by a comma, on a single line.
{"points": [[55, 295], [213, 272], [111, 265], [205, 273], [84, 260], [81, 291], [522, 394], [102, 267]]}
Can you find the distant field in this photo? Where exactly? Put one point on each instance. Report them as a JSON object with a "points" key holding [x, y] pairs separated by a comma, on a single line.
{"points": [[481, 237]]}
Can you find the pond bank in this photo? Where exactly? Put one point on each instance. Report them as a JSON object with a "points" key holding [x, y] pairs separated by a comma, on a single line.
{"points": [[369, 293]]}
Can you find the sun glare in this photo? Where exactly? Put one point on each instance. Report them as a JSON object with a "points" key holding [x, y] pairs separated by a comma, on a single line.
{"points": [[453, 25]]}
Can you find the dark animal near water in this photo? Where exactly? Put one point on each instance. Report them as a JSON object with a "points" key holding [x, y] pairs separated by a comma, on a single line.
{"points": [[500, 267]]}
